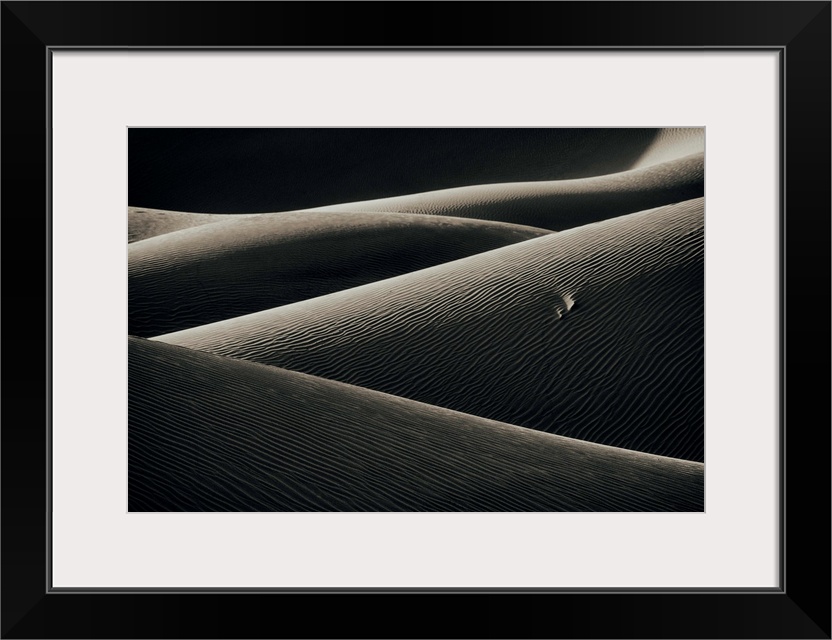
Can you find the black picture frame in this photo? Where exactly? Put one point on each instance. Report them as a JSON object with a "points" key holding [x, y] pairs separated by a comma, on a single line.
{"points": [[799, 31]]}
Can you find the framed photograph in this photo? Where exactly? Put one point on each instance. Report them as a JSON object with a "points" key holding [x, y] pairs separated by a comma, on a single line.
{"points": [[509, 310]]}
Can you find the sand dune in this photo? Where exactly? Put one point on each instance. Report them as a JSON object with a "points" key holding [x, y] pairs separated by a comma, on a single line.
{"points": [[148, 223], [671, 144], [267, 170], [558, 204], [246, 264], [659, 177], [209, 433], [416, 319], [595, 333]]}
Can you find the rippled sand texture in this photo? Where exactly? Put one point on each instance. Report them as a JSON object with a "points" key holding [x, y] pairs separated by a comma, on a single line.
{"points": [[594, 333], [214, 433], [518, 346], [244, 264]]}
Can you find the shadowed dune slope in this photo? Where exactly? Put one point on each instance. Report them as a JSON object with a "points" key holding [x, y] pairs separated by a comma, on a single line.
{"points": [[560, 204], [246, 264], [208, 433], [595, 333]]}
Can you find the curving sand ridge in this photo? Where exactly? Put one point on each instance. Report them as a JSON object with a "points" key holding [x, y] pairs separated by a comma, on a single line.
{"points": [[658, 178], [244, 264], [595, 333], [267, 170], [148, 223], [558, 204], [208, 433], [670, 144]]}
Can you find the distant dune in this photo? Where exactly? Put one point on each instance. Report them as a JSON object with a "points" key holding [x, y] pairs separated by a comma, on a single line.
{"points": [[147, 223], [285, 169], [659, 178], [594, 333], [244, 264], [671, 144], [557, 204], [208, 433]]}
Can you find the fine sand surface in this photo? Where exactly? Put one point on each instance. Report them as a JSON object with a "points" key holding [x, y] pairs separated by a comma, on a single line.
{"points": [[244, 264], [208, 433], [147, 223], [671, 144], [595, 333], [267, 170]]}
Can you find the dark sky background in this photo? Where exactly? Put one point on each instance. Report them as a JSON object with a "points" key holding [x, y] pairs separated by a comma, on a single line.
{"points": [[258, 170]]}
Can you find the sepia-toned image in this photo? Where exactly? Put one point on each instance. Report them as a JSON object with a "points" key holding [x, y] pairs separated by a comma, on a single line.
{"points": [[416, 320]]}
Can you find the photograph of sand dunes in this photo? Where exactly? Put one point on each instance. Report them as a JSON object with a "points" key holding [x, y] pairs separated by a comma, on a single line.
{"points": [[416, 320]]}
